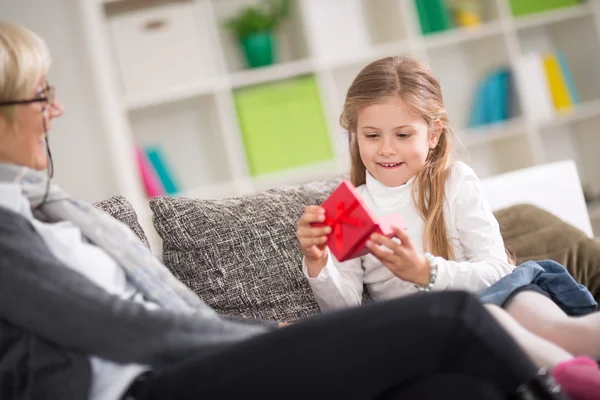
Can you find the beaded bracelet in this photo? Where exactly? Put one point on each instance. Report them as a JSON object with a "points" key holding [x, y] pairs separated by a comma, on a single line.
{"points": [[433, 266]]}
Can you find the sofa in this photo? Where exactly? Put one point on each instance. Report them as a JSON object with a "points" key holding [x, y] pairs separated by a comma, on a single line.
{"points": [[241, 255]]}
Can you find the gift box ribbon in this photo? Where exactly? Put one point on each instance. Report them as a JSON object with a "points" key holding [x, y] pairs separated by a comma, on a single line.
{"points": [[342, 217]]}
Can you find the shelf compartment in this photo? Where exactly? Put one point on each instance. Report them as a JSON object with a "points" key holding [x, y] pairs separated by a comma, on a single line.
{"points": [[190, 139], [160, 48], [460, 69], [290, 43], [566, 37]]}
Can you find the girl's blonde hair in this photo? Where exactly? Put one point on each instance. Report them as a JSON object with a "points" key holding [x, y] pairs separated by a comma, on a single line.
{"points": [[24, 59], [416, 85]]}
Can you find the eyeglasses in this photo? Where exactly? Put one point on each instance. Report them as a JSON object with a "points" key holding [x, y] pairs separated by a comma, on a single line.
{"points": [[46, 96]]}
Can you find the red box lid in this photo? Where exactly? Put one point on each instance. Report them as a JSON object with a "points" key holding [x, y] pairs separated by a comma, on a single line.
{"points": [[350, 218]]}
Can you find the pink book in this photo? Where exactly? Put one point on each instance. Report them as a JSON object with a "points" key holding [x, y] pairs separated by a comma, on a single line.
{"points": [[151, 182]]}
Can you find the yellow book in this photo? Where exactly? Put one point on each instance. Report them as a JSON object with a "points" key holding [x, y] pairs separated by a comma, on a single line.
{"points": [[558, 87]]}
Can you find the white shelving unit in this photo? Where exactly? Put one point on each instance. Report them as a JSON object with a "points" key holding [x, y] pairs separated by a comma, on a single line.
{"points": [[181, 93]]}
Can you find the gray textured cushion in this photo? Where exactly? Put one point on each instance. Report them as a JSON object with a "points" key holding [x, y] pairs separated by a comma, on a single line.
{"points": [[241, 255], [121, 209]]}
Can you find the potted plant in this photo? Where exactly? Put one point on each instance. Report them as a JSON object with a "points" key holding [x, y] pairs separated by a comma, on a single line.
{"points": [[254, 28]]}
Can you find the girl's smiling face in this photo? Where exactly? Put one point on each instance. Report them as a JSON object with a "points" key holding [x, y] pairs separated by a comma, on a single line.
{"points": [[393, 141]]}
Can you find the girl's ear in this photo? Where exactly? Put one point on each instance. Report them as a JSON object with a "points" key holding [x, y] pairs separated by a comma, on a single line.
{"points": [[435, 133]]}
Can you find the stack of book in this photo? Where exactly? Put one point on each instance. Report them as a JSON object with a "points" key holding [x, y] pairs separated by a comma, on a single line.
{"points": [[495, 99], [156, 174], [548, 83]]}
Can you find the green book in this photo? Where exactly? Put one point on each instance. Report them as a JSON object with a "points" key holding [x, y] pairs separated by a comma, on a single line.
{"points": [[438, 14], [434, 16], [283, 125], [423, 16], [524, 7]]}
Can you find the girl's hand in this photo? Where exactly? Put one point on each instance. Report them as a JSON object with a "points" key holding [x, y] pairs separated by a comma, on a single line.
{"points": [[404, 260], [313, 241]]}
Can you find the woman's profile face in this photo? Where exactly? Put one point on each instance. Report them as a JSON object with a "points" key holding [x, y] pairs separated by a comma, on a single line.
{"points": [[24, 142]]}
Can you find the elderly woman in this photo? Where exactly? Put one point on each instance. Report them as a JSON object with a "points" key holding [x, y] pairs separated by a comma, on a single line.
{"points": [[86, 312]]}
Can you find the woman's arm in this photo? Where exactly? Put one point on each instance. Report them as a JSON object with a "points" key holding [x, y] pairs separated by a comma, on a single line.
{"points": [[40, 295]]}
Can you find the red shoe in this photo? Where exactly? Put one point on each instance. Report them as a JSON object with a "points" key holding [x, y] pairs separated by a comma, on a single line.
{"points": [[578, 378]]}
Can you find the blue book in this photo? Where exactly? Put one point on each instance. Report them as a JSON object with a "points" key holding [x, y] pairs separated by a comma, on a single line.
{"points": [[504, 95], [495, 101], [479, 110], [489, 101], [568, 77], [162, 169], [494, 98]]}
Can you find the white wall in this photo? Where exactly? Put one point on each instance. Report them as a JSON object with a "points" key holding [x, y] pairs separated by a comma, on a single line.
{"points": [[77, 143]]}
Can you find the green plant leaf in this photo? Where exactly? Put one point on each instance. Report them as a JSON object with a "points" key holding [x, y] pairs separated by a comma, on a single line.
{"points": [[264, 17]]}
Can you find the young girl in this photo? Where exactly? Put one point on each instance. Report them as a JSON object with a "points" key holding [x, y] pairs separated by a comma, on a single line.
{"points": [[401, 146]]}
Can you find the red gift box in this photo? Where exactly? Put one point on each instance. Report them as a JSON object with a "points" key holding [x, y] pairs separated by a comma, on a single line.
{"points": [[352, 223]]}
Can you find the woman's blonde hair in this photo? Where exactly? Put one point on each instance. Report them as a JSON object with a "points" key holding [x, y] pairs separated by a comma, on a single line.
{"points": [[416, 85], [24, 59]]}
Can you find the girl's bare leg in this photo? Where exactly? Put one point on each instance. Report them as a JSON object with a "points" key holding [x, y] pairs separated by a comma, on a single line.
{"points": [[542, 352], [538, 314]]}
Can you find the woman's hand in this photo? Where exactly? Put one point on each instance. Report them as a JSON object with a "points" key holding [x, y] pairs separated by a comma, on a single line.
{"points": [[404, 260], [313, 241]]}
